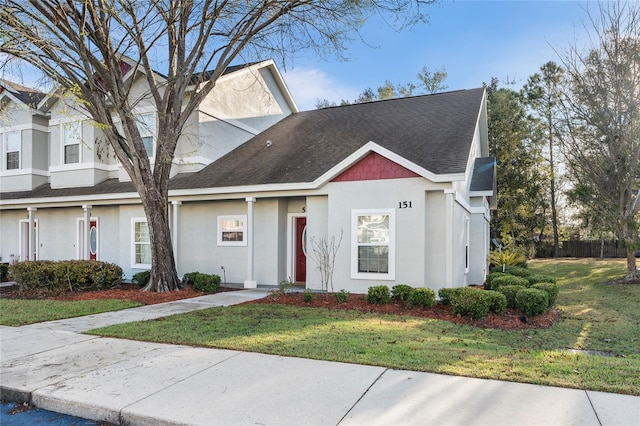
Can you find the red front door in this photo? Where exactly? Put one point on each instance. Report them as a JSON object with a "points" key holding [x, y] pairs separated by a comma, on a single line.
{"points": [[93, 240], [301, 257]]}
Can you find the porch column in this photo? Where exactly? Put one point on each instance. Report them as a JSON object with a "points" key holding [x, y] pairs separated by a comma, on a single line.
{"points": [[449, 195], [32, 235], [86, 255], [250, 282], [174, 230]]}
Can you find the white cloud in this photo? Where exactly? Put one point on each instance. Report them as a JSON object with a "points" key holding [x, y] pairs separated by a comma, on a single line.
{"points": [[307, 85]]}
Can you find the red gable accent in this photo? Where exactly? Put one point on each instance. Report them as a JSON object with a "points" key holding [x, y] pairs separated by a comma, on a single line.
{"points": [[373, 167]]}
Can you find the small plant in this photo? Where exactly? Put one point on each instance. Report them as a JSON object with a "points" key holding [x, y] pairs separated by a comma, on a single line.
{"points": [[422, 297], [308, 296], [551, 289], [471, 302], [498, 301], [342, 296], [532, 301], [447, 294], [401, 292], [537, 278], [503, 258], [507, 279], [284, 287], [510, 292], [378, 295], [141, 279], [207, 283]]}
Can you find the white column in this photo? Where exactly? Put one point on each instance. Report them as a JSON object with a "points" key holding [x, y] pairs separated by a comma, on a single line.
{"points": [[174, 230], [448, 239], [32, 234], [86, 255], [250, 282]]}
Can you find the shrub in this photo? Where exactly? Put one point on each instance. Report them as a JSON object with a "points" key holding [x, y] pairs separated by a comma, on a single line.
{"points": [[141, 279], [532, 301], [538, 278], [471, 302], [342, 296], [492, 276], [510, 292], [66, 275], [422, 297], [447, 294], [190, 277], [207, 283], [308, 296], [518, 271], [498, 301], [4, 271], [401, 292], [507, 279], [551, 289], [378, 295], [284, 287]]}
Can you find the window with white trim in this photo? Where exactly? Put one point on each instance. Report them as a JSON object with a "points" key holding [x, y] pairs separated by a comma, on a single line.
{"points": [[373, 244], [71, 137], [12, 150], [147, 128], [232, 230], [141, 244]]}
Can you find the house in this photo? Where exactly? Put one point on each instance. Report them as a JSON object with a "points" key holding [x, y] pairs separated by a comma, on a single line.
{"points": [[403, 186]]}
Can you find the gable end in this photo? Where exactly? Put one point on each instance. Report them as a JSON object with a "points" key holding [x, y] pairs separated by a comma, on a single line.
{"points": [[374, 167]]}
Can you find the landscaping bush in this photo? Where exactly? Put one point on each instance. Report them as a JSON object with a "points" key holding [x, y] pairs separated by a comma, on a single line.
{"points": [[66, 275], [207, 283], [422, 297], [498, 301], [401, 292], [471, 302], [446, 295], [538, 278], [4, 271], [141, 279], [342, 296], [378, 295], [551, 289], [507, 279], [510, 292], [490, 277], [518, 271], [190, 277], [532, 301], [308, 296]]}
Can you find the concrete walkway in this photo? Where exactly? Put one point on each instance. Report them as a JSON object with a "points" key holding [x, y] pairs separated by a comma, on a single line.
{"points": [[54, 367]]}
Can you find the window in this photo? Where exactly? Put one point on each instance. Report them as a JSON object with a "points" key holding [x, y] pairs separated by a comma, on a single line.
{"points": [[232, 230], [373, 244], [147, 129], [71, 135], [12, 140], [141, 250]]}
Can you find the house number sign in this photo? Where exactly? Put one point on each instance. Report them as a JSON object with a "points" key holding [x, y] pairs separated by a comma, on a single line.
{"points": [[404, 204]]}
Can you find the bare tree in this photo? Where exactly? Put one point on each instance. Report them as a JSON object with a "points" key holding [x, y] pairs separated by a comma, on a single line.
{"points": [[79, 44], [603, 110], [324, 255]]}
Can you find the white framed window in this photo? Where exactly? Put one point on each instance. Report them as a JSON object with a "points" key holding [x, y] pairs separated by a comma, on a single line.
{"points": [[12, 150], [373, 244], [147, 129], [71, 138], [140, 243], [232, 230]]}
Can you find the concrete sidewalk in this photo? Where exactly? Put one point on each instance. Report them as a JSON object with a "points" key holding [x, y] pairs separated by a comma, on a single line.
{"points": [[138, 383]]}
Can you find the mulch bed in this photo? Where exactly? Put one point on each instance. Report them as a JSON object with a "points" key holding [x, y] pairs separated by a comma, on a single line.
{"points": [[510, 320]]}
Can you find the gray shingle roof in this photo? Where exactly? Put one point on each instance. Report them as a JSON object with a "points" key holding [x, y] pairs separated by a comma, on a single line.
{"points": [[26, 95], [432, 131]]}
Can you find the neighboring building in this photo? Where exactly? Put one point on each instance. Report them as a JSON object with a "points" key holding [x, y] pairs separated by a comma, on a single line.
{"points": [[407, 183]]}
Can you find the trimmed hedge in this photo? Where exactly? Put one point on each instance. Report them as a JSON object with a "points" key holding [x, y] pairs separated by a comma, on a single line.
{"points": [[141, 279], [518, 271], [208, 283], [551, 289], [4, 271], [422, 297], [507, 279], [471, 302], [66, 275], [493, 275], [190, 277], [532, 301], [401, 292], [446, 295], [378, 295], [342, 296], [538, 278], [498, 301], [510, 292]]}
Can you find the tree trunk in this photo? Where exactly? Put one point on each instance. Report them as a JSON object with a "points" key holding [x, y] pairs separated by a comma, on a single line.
{"points": [[164, 277], [632, 270]]}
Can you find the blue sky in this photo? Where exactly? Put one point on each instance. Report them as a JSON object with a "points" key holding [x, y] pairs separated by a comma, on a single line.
{"points": [[472, 40]]}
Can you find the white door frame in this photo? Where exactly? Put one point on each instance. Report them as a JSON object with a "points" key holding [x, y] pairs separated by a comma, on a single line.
{"points": [[23, 239], [291, 244], [81, 239]]}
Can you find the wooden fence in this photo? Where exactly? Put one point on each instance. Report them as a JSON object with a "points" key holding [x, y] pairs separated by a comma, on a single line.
{"points": [[592, 249]]}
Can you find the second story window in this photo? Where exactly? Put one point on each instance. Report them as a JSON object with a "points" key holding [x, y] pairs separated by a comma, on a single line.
{"points": [[147, 129], [71, 136], [12, 141]]}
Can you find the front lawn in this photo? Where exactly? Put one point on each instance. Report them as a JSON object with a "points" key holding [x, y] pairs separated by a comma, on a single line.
{"points": [[599, 316]]}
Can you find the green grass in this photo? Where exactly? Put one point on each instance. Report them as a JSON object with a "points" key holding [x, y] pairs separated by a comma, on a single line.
{"points": [[598, 316], [17, 312]]}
